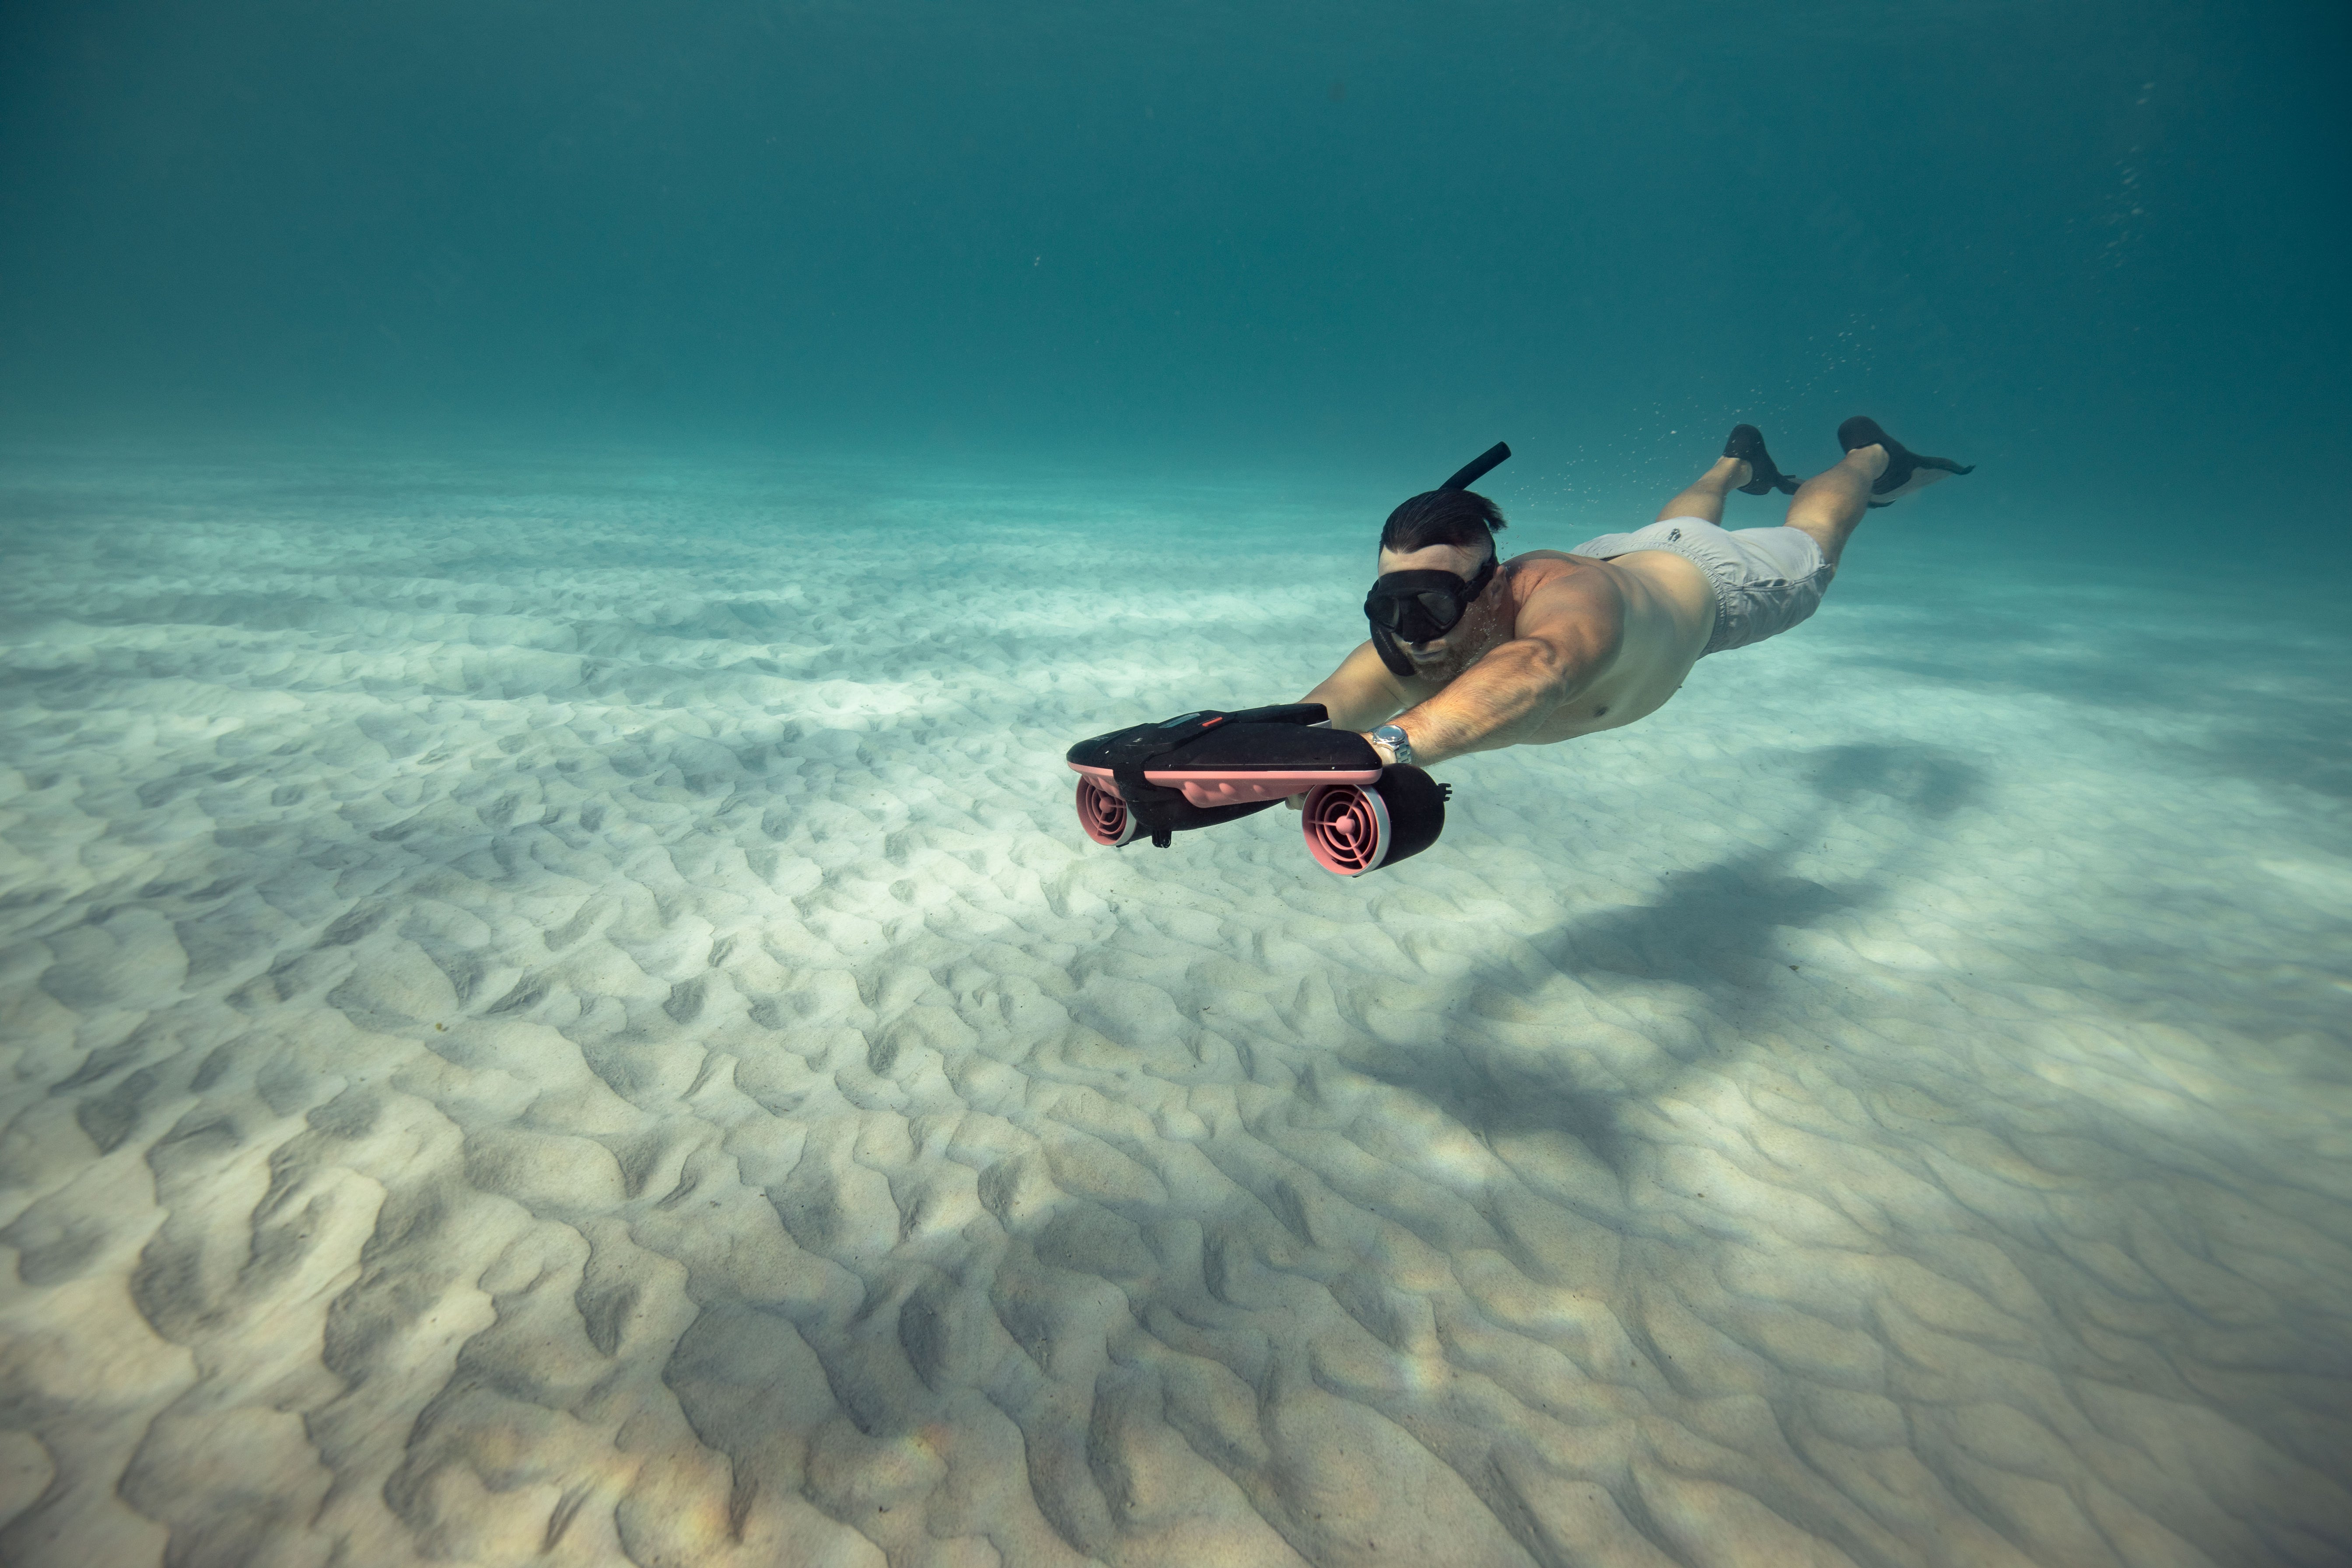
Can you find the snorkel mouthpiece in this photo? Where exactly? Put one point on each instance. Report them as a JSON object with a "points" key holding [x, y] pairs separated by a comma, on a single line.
{"points": [[1396, 659]]}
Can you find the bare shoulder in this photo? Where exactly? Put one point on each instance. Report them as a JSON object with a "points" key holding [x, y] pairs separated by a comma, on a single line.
{"points": [[1572, 601]]}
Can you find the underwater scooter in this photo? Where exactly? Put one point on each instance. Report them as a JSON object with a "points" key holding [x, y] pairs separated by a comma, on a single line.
{"points": [[1200, 769], [1197, 770]]}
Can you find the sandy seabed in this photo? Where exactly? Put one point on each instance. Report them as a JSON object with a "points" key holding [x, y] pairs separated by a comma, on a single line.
{"points": [[565, 1017]]}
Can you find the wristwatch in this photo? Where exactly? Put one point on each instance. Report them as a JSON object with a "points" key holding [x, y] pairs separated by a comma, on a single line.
{"points": [[1392, 736]]}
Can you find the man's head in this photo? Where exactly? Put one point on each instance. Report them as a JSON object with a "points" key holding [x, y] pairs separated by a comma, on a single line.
{"points": [[1461, 518], [1436, 566]]}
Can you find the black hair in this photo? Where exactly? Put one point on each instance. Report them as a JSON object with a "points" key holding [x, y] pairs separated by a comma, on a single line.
{"points": [[1442, 516]]}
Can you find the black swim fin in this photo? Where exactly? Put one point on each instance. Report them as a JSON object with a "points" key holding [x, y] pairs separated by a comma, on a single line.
{"points": [[1747, 444], [1862, 430]]}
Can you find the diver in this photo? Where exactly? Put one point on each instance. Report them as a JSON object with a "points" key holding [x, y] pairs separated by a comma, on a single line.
{"points": [[1472, 653]]}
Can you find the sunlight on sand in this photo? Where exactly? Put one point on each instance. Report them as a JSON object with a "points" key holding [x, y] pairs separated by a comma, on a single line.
{"points": [[579, 1024]]}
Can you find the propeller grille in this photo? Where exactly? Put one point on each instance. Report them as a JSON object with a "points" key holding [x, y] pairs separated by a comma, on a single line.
{"points": [[1103, 815], [1346, 828]]}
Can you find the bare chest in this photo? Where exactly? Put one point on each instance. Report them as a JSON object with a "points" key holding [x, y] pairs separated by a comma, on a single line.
{"points": [[1669, 613]]}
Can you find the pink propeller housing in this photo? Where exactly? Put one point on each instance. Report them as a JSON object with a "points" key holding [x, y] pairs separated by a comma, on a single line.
{"points": [[1103, 815], [1347, 828], [1352, 829]]}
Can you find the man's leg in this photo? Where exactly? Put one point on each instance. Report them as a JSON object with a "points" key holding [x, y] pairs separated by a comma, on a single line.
{"points": [[1704, 499], [1828, 505]]}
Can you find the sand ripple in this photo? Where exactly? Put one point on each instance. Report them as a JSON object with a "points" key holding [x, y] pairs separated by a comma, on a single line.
{"points": [[579, 1026]]}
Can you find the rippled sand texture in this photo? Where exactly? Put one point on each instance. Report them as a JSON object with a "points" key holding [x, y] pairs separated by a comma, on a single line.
{"points": [[568, 1020]]}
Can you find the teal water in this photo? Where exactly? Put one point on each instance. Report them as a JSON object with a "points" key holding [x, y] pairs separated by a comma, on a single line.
{"points": [[1365, 237], [553, 1002]]}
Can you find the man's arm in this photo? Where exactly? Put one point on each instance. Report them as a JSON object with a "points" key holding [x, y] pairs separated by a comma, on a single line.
{"points": [[1360, 692], [1568, 636]]}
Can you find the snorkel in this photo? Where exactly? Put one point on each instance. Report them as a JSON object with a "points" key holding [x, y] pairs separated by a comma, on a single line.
{"points": [[1426, 606]]}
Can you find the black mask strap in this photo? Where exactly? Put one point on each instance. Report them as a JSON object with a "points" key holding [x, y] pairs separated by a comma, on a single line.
{"points": [[1480, 578]]}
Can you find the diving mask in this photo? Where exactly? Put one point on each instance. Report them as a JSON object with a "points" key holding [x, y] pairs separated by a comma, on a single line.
{"points": [[1421, 606]]}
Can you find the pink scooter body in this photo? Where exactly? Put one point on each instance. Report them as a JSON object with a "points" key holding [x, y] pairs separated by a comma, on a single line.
{"points": [[1236, 788]]}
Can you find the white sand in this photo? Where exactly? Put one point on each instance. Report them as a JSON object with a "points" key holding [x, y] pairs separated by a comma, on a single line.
{"points": [[579, 1026]]}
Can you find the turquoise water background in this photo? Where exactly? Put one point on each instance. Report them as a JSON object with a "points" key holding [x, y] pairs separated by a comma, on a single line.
{"points": [[2097, 249], [552, 1005]]}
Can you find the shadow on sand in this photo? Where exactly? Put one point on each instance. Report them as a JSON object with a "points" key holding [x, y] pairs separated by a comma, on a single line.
{"points": [[1702, 955]]}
